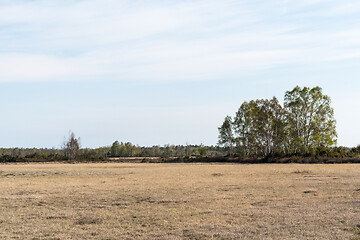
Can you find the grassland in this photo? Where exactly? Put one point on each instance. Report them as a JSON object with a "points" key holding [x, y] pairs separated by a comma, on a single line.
{"points": [[179, 201]]}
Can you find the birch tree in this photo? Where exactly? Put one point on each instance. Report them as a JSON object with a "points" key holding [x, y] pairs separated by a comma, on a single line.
{"points": [[310, 118], [226, 135], [72, 146]]}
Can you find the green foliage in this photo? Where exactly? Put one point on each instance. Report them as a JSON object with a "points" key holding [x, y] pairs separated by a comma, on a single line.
{"points": [[310, 119], [356, 150], [262, 127], [259, 127], [202, 150], [123, 149], [243, 129], [115, 149], [226, 135]]}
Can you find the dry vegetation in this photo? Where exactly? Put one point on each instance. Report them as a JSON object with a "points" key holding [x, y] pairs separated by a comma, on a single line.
{"points": [[179, 201]]}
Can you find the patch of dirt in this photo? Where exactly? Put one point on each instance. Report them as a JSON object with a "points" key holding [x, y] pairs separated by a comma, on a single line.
{"points": [[301, 172], [260, 204], [217, 174], [56, 217], [315, 193], [88, 220]]}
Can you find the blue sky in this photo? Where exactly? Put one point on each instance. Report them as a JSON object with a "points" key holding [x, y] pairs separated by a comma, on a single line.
{"points": [[167, 72]]}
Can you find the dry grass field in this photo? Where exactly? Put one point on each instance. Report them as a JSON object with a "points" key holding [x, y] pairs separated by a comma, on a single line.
{"points": [[179, 201]]}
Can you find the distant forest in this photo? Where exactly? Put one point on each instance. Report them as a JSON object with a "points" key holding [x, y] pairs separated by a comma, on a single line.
{"points": [[118, 149], [167, 151], [261, 129]]}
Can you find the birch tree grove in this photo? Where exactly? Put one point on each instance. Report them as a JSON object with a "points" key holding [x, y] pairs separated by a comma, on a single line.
{"points": [[310, 118], [263, 127], [268, 122], [259, 127]]}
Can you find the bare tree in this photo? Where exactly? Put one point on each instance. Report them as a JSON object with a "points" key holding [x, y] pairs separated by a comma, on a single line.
{"points": [[71, 146]]}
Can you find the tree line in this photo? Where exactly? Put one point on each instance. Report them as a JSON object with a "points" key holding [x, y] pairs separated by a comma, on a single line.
{"points": [[177, 151], [304, 125], [71, 150]]}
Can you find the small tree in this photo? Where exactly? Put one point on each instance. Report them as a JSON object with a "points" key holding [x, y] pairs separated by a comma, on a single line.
{"points": [[115, 149], [202, 150], [71, 146]]}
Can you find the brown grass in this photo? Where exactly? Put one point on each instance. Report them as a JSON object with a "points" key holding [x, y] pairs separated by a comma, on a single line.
{"points": [[179, 201]]}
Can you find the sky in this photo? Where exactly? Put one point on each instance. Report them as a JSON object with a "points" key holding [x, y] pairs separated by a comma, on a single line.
{"points": [[157, 72]]}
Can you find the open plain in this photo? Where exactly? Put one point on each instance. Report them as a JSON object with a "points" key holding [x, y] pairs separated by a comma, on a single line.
{"points": [[179, 201]]}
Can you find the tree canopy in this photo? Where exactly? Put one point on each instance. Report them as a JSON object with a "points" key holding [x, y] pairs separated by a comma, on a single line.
{"points": [[262, 127]]}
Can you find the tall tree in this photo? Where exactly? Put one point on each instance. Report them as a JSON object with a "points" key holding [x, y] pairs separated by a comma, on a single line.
{"points": [[259, 127], [244, 135], [267, 125], [310, 118], [226, 136]]}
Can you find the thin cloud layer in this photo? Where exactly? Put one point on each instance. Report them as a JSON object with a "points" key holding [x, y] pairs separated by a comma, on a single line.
{"points": [[177, 41]]}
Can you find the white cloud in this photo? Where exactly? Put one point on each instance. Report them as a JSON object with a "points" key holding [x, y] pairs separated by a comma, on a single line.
{"points": [[132, 40], [23, 67]]}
